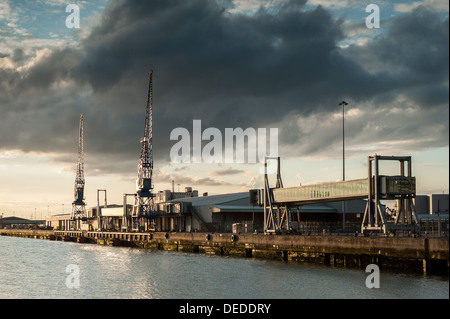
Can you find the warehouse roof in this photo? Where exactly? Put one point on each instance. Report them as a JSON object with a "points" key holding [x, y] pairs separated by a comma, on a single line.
{"points": [[224, 203], [211, 200], [12, 220], [260, 209], [237, 208]]}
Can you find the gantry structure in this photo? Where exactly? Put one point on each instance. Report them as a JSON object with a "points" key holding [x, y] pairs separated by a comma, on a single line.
{"points": [[279, 201]]}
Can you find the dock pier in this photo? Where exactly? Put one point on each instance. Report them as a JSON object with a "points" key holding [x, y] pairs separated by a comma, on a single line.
{"points": [[425, 255]]}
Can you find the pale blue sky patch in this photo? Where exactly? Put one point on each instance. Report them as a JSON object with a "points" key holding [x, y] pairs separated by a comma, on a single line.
{"points": [[44, 19]]}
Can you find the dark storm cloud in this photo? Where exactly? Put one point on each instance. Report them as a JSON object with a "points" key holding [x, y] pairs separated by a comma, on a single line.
{"points": [[226, 70], [56, 67], [408, 71], [419, 42], [226, 171], [415, 54], [200, 53]]}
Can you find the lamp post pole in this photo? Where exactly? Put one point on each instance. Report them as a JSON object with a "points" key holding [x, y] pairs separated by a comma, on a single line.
{"points": [[343, 103]]}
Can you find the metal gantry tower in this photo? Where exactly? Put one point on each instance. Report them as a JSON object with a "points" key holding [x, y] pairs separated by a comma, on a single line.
{"points": [[144, 198], [278, 202], [78, 205], [401, 188], [276, 217]]}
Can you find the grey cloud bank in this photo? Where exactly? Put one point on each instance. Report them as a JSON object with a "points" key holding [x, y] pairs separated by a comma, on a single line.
{"points": [[276, 68]]}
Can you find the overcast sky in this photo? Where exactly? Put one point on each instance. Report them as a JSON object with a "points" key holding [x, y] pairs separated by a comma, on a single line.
{"points": [[229, 63]]}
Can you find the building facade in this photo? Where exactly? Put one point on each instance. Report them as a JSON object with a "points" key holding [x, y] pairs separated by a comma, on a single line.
{"points": [[432, 204], [187, 212]]}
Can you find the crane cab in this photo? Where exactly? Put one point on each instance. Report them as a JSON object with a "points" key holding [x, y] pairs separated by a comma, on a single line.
{"points": [[145, 184], [79, 195]]}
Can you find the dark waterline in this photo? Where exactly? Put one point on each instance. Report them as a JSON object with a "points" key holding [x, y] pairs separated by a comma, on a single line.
{"points": [[32, 268]]}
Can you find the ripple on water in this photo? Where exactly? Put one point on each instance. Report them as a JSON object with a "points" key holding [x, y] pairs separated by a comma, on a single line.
{"points": [[31, 268]]}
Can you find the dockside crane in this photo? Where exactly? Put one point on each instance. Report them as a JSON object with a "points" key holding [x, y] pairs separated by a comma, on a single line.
{"points": [[144, 198], [78, 205]]}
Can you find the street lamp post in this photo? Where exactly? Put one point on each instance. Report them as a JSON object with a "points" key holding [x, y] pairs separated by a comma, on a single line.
{"points": [[343, 103]]}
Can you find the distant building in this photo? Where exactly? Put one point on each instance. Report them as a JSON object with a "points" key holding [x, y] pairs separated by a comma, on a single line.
{"points": [[431, 204], [111, 219], [433, 213], [422, 204], [218, 213], [186, 211], [58, 221], [166, 195], [18, 222], [206, 213], [354, 210], [112, 216], [439, 203]]}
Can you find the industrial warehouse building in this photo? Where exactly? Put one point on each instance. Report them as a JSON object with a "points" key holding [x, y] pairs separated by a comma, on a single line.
{"points": [[19, 223], [231, 212], [432, 204], [112, 216], [186, 212]]}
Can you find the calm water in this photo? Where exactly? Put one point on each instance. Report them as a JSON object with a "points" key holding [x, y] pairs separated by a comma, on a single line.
{"points": [[32, 268]]}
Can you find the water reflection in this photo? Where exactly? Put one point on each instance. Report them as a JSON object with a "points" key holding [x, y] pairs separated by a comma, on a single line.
{"points": [[36, 269]]}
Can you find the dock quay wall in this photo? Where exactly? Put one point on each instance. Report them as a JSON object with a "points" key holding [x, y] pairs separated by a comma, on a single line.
{"points": [[429, 255]]}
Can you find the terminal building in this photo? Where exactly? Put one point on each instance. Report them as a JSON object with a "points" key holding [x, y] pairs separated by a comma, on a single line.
{"points": [[432, 204], [233, 213], [112, 215], [13, 222], [187, 212], [433, 213]]}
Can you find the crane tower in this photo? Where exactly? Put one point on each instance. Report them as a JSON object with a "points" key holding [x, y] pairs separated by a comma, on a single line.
{"points": [[78, 205], [144, 198]]}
